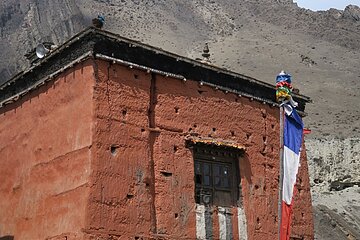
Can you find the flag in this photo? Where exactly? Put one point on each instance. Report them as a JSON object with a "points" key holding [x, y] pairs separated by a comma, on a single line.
{"points": [[293, 136], [307, 131]]}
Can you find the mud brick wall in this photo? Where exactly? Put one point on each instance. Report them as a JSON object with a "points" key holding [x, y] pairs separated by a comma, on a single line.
{"points": [[45, 156], [100, 153], [143, 174]]}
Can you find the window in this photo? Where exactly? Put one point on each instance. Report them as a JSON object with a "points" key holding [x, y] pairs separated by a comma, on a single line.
{"points": [[216, 176]]}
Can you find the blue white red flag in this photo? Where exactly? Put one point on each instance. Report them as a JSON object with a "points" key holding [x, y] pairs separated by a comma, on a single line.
{"points": [[293, 137]]}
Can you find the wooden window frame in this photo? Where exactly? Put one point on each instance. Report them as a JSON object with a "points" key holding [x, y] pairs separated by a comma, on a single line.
{"points": [[213, 194]]}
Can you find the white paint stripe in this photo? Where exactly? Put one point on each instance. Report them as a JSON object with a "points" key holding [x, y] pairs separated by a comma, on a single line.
{"points": [[222, 223], [200, 222], [229, 226], [242, 224], [291, 166]]}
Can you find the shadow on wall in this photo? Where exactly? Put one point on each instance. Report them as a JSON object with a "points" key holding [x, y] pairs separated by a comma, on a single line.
{"points": [[28, 97], [7, 237], [245, 168]]}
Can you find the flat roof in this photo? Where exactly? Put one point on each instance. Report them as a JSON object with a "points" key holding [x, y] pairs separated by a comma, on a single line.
{"points": [[99, 44]]}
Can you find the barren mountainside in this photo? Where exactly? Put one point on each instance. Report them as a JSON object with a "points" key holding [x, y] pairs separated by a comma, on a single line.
{"points": [[321, 50]]}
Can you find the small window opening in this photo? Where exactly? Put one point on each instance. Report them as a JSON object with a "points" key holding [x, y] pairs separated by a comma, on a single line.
{"points": [[216, 177]]}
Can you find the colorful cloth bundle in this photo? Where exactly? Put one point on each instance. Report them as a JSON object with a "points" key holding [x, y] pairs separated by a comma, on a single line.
{"points": [[283, 87]]}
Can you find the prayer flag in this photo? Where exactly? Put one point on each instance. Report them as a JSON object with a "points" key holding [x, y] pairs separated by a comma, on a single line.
{"points": [[293, 136]]}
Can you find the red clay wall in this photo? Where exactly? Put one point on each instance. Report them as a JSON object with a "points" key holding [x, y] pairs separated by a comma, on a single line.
{"points": [[120, 195], [45, 158], [141, 123], [127, 174]]}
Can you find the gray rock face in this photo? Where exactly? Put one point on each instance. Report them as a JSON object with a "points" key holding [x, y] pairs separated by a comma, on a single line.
{"points": [[336, 211], [352, 12], [24, 24], [333, 160], [337, 215]]}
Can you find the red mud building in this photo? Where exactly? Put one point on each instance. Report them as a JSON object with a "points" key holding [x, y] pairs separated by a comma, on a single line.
{"points": [[107, 138]]}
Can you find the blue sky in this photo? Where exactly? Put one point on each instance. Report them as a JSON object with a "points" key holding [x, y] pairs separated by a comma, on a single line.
{"points": [[326, 4]]}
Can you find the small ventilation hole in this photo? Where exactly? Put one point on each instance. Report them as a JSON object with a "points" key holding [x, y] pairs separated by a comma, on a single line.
{"points": [[124, 112], [248, 135], [114, 149], [166, 174]]}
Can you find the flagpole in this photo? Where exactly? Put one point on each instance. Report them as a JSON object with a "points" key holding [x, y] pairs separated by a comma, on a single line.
{"points": [[281, 167]]}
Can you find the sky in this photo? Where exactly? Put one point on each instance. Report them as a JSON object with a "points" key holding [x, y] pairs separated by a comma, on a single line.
{"points": [[326, 4]]}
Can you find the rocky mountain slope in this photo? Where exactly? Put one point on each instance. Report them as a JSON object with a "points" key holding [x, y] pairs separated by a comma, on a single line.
{"points": [[320, 49], [257, 38]]}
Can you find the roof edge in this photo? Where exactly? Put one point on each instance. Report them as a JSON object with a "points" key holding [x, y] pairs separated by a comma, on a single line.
{"points": [[106, 44]]}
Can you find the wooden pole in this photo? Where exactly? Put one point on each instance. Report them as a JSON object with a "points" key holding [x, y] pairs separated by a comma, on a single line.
{"points": [[281, 166]]}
